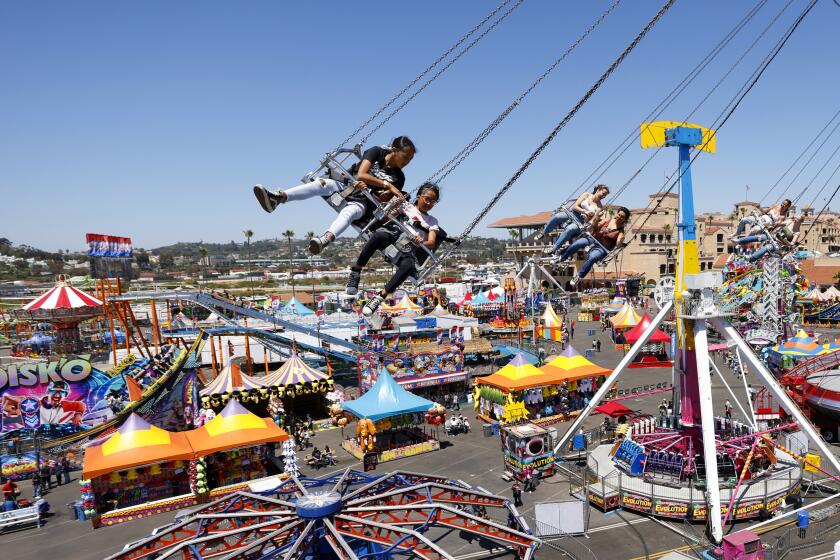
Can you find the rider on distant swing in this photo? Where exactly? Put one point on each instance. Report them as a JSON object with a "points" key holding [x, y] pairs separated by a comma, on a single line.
{"points": [[787, 236], [609, 232], [769, 220], [380, 170], [586, 209]]}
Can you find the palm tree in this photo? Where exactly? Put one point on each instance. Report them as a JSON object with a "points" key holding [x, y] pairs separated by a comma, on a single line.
{"points": [[289, 234], [204, 261], [514, 234], [309, 236], [248, 235]]}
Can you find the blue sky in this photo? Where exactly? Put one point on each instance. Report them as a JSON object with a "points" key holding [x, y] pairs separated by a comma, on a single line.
{"points": [[154, 119]]}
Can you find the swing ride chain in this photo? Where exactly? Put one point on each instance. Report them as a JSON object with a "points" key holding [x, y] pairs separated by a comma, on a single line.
{"points": [[450, 166], [729, 110], [435, 76], [665, 7]]}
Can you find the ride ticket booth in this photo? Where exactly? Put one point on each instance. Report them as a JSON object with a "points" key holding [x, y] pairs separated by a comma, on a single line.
{"points": [[527, 445]]}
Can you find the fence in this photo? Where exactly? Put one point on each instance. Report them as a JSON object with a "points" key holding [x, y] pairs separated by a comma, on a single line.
{"points": [[568, 545]]}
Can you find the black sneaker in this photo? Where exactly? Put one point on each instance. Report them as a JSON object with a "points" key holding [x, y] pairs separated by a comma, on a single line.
{"points": [[372, 305], [353, 282], [267, 199]]}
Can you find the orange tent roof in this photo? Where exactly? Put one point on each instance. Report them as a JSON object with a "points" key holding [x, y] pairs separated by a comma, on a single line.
{"points": [[518, 374], [570, 366], [233, 427], [626, 318], [135, 443]]}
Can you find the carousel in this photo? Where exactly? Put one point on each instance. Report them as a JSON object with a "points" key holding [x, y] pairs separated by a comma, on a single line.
{"points": [[64, 307]]}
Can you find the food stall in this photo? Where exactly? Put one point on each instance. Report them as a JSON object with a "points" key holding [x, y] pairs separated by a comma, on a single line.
{"points": [[391, 422]]}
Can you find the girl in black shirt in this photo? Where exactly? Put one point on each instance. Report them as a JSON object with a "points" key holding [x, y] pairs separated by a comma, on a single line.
{"points": [[380, 171]]}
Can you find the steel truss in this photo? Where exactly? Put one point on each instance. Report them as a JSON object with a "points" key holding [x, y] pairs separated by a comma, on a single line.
{"points": [[388, 514]]}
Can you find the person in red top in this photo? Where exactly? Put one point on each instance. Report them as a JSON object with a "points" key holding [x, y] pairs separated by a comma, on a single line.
{"points": [[10, 491], [609, 233]]}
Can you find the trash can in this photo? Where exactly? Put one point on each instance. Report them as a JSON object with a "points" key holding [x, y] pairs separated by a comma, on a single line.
{"points": [[579, 442], [80, 511], [73, 511], [487, 429], [495, 428]]}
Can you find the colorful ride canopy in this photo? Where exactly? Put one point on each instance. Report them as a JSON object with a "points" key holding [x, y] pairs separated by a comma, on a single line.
{"points": [[135, 443], [294, 307], [295, 370], [386, 398], [571, 366], [636, 332], [518, 374], [625, 318], [231, 379], [233, 427], [800, 345]]}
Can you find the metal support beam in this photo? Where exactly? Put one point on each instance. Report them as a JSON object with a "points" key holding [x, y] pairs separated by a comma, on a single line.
{"points": [[707, 415], [770, 382], [619, 369]]}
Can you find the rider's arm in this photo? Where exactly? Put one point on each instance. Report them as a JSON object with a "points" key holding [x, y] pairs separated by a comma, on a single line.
{"points": [[430, 242], [577, 205], [372, 181]]}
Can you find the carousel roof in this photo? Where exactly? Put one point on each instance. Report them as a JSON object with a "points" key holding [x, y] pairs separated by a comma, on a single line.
{"points": [[625, 318], [230, 379], [135, 443], [386, 398], [636, 332], [233, 427], [570, 366], [62, 296], [295, 370]]}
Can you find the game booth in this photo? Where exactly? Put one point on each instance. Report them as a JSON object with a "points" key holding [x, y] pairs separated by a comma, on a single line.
{"points": [[390, 423], [527, 445], [550, 326], [591, 303], [141, 470], [552, 393]]}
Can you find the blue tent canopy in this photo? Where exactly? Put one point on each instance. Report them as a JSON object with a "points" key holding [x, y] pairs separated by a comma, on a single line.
{"points": [[386, 398], [294, 307]]}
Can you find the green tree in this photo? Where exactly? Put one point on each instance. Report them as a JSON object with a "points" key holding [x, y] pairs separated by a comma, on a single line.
{"points": [[514, 234], [289, 234], [248, 235], [309, 236], [204, 261]]}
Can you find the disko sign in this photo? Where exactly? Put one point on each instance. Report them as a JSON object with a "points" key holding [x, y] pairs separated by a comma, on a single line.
{"points": [[61, 392]]}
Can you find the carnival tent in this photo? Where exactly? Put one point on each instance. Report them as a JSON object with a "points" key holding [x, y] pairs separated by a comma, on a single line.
{"points": [[295, 370], [551, 327], [636, 332], [135, 443], [832, 293], [481, 299], [614, 306], [402, 306], [613, 409], [518, 374], [294, 307], [229, 380], [233, 427], [385, 399], [438, 311], [800, 345], [626, 318], [570, 366], [467, 299]]}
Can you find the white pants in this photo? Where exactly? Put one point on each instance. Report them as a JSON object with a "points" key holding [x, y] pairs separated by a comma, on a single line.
{"points": [[350, 213], [318, 187]]}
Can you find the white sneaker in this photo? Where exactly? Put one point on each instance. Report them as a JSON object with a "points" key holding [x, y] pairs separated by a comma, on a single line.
{"points": [[317, 244], [372, 305], [574, 281], [548, 250], [539, 236]]}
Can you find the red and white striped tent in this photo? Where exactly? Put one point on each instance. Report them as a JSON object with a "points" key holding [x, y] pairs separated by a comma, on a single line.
{"points": [[62, 296]]}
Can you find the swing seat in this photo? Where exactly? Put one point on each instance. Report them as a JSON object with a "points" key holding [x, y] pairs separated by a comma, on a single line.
{"points": [[335, 166]]}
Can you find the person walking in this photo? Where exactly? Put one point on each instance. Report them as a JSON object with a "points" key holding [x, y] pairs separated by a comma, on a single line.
{"points": [[57, 472], [598, 345], [36, 485], [516, 489], [46, 479], [65, 469], [727, 407], [572, 329], [529, 479]]}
